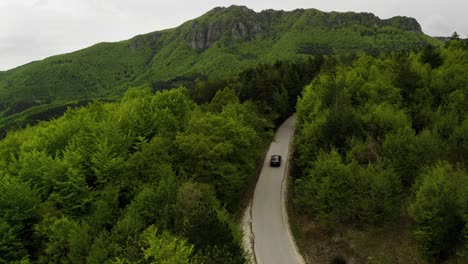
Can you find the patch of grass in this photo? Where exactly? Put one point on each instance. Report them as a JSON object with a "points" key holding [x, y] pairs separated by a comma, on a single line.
{"points": [[391, 243], [318, 243]]}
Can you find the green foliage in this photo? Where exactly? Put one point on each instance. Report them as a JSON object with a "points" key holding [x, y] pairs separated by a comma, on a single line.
{"points": [[432, 56], [436, 211], [99, 250], [223, 98], [378, 194], [198, 219], [458, 142], [11, 247], [455, 36], [276, 87], [95, 184], [220, 149], [19, 203], [165, 248], [67, 240], [371, 133], [19, 210], [153, 204], [165, 113], [43, 89], [344, 193], [407, 153], [86, 186], [384, 119], [326, 188], [196, 215]]}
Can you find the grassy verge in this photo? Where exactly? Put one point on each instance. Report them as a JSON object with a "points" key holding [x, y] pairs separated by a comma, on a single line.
{"points": [[318, 243]]}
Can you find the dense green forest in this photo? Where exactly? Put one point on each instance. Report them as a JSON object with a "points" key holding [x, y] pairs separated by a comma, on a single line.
{"points": [[384, 139], [153, 178], [147, 178], [218, 45], [131, 169]]}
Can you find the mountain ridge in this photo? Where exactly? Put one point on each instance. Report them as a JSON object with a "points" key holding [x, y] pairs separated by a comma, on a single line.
{"points": [[241, 30], [218, 44]]}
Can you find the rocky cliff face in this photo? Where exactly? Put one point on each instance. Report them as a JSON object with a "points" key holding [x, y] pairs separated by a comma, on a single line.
{"points": [[143, 41], [240, 23], [236, 23], [404, 23]]}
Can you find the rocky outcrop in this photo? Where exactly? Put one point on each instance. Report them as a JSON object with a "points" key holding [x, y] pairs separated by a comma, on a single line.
{"points": [[235, 23], [240, 23], [404, 23], [339, 20], [203, 36], [142, 41]]}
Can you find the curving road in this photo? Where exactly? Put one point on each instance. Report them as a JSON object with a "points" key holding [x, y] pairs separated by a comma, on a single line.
{"points": [[272, 240]]}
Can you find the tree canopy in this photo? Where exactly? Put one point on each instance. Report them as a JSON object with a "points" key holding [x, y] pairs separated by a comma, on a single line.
{"points": [[384, 130]]}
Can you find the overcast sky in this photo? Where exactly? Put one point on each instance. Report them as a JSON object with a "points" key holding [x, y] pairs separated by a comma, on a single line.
{"points": [[35, 29]]}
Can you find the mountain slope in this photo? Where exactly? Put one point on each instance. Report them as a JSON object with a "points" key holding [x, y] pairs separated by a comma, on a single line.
{"points": [[220, 43], [241, 37]]}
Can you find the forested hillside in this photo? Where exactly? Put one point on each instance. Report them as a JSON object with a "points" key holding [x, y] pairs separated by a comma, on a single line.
{"points": [[381, 143], [154, 178], [131, 169], [217, 45], [147, 178]]}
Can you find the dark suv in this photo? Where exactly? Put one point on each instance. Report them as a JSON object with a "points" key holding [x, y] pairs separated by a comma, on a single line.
{"points": [[275, 161]]}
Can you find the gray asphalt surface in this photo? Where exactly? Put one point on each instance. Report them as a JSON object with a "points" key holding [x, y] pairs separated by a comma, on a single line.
{"points": [[272, 242]]}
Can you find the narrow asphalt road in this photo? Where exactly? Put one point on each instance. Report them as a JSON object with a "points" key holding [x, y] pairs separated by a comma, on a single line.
{"points": [[272, 240]]}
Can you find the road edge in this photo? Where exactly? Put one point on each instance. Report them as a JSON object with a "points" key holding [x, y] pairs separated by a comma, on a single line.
{"points": [[248, 237], [284, 195]]}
